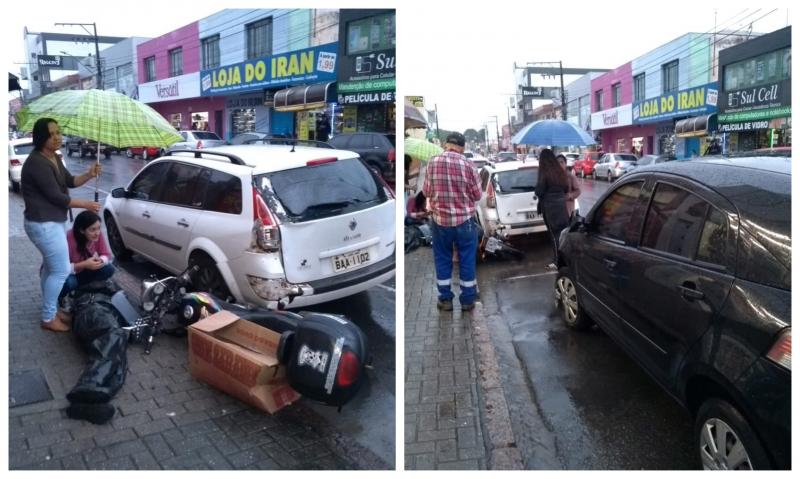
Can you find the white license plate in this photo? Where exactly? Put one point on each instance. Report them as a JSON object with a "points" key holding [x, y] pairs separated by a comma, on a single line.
{"points": [[343, 262], [530, 215]]}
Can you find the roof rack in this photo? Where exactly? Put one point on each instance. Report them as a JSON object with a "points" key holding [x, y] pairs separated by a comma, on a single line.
{"points": [[199, 154], [275, 140]]}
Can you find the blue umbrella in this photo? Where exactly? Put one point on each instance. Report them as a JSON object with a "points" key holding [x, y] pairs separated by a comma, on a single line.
{"points": [[552, 133]]}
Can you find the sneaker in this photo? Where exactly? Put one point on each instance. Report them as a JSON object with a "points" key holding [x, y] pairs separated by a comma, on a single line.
{"points": [[56, 324], [468, 307], [445, 304]]}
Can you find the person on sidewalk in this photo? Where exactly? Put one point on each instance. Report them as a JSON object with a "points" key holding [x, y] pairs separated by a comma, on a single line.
{"points": [[452, 187], [552, 188], [44, 189], [574, 186], [89, 256]]}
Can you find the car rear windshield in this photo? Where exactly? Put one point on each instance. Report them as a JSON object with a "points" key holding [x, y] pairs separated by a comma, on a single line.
{"points": [[23, 149], [516, 181], [391, 139], [627, 158], [507, 156], [322, 191], [205, 135]]}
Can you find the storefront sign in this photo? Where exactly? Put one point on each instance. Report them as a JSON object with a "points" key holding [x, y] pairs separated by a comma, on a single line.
{"points": [[310, 65], [763, 114], [701, 100], [416, 100], [367, 85], [744, 126], [176, 88], [49, 60], [613, 118], [361, 98], [767, 101]]}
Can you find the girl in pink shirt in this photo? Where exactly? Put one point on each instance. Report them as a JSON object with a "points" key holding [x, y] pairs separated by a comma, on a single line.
{"points": [[89, 256]]}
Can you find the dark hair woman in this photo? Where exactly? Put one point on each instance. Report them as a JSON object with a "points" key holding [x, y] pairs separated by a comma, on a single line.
{"points": [[89, 256], [45, 183], [552, 188]]}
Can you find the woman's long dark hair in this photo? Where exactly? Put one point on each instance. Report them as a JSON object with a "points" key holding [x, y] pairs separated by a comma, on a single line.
{"points": [[550, 172], [41, 132], [82, 222]]}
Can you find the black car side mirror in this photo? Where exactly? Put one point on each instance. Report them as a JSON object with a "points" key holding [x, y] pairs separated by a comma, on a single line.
{"points": [[119, 193], [579, 224]]}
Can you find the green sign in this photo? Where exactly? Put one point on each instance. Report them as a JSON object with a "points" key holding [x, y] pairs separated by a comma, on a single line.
{"points": [[780, 112], [366, 85]]}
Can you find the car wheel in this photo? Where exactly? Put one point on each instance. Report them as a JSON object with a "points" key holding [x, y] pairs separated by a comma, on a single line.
{"points": [[583, 173], [15, 186], [161, 152], [725, 440], [83, 153], [593, 174], [121, 252], [144, 154], [69, 152], [608, 176], [208, 278], [129, 153], [566, 295]]}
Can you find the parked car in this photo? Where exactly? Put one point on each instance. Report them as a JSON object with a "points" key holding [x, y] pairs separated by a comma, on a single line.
{"points": [[613, 165], [687, 266], [653, 159], [84, 146], [18, 151], [377, 149], [193, 139], [585, 167], [571, 158], [508, 205], [243, 138], [266, 223], [145, 152], [505, 156]]}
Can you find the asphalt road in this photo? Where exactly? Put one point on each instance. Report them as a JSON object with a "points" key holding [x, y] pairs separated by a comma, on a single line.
{"points": [[576, 400]]}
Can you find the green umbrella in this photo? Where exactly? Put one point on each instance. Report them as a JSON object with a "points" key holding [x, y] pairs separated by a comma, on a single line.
{"points": [[420, 149], [104, 116]]}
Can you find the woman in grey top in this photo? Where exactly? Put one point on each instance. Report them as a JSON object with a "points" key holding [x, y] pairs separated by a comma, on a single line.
{"points": [[44, 188]]}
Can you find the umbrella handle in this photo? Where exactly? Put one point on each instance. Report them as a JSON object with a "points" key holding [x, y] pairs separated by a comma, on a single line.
{"points": [[97, 178]]}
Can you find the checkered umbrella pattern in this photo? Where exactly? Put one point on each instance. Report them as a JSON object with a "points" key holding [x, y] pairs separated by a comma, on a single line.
{"points": [[420, 149], [105, 116]]}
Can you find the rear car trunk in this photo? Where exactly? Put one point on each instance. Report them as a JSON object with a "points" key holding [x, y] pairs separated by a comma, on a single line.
{"points": [[514, 190], [334, 217]]}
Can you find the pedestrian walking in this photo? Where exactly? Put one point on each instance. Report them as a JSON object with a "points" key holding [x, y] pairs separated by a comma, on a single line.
{"points": [[452, 187], [574, 187], [89, 256], [713, 149], [44, 189], [552, 188]]}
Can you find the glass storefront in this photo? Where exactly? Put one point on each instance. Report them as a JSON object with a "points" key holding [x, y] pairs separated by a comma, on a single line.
{"points": [[243, 120]]}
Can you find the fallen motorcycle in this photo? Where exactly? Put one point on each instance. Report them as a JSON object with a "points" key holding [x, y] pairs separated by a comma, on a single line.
{"points": [[166, 305]]}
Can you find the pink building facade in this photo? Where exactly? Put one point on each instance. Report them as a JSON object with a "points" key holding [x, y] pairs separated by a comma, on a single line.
{"points": [[612, 120]]}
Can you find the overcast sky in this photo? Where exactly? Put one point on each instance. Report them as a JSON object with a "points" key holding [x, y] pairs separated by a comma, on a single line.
{"points": [[462, 60]]}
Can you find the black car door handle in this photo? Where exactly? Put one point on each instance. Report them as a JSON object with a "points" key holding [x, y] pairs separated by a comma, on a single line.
{"points": [[146, 214], [610, 264], [182, 222], [690, 292]]}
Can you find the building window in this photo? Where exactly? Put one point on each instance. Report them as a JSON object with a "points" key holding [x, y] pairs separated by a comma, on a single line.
{"points": [[598, 100], [759, 70], [616, 94], [638, 87], [150, 69], [210, 52], [370, 34], [259, 39], [669, 77], [176, 62]]}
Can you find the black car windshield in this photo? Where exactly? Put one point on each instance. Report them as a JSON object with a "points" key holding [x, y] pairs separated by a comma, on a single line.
{"points": [[516, 181], [321, 191], [205, 135]]}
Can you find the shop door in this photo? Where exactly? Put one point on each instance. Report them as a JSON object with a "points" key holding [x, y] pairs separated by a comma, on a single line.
{"points": [[282, 123], [218, 123]]}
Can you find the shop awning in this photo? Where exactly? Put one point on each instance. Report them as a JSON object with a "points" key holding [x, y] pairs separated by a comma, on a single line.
{"points": [[304, 97], [696, 126]]}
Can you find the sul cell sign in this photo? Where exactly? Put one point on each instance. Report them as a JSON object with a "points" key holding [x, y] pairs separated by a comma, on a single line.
{"points": [[701, 100], [310, 65]]}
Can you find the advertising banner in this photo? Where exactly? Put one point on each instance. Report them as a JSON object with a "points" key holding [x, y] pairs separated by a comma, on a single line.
{"points": [[696, 101]]}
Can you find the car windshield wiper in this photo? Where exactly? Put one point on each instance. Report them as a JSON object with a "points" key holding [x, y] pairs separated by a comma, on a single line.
{"points": [[330, 206]]}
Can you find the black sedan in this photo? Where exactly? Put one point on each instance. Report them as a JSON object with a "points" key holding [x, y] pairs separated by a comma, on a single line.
{"points": [[687, 266]]}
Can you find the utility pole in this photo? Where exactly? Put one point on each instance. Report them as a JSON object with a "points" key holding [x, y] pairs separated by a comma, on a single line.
{"points": [[96, 49], [563, 96], [436, 107], [497, 130]]}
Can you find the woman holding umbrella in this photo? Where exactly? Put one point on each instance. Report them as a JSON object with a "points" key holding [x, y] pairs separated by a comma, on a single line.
{"points": [[44, 189], [552, 188]]}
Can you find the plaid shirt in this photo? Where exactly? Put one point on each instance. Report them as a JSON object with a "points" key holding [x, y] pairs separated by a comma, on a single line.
{"points": [[452, 186]]}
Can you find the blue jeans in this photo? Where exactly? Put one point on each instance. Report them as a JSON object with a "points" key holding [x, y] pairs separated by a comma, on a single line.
{"points": [[465, 239], [86, 276], [51, 240]]}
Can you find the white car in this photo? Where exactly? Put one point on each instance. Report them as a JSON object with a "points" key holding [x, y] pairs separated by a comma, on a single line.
{"points": [[197, 139], [271, 225], [508, 203], [18, 151]]}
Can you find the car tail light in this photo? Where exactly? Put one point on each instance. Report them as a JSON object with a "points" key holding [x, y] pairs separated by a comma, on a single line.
{"points": [[781, 351], [14, 162], [199, 144], [265, 227], [490, 198], [390, 156], [321, 161], [349, 369]]}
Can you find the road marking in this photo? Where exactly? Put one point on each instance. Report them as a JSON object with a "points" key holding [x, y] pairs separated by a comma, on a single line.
{"points": [[387, 288], [531, 275]]}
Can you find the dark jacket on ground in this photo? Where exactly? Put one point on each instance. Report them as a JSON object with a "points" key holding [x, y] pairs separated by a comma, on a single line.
{"points": [[44, 189]]}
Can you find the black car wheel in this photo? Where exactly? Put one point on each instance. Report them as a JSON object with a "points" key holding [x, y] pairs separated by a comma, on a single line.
{"points": [[725, 440], [567, 299], [208, 278], [609, 177], [129, 153], [121, 252]]}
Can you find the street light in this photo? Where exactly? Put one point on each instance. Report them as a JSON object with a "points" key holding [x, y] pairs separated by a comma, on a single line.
{"points": [[497, 130]]}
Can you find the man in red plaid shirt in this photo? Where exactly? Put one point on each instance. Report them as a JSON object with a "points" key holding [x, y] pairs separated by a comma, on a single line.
{"points": [[452, 187]]}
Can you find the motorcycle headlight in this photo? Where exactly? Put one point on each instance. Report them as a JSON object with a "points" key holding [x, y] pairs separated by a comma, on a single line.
{"points": [[148, 306], [158, 289]]}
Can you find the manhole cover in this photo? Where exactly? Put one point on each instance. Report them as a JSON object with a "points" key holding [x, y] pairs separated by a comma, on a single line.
{"points": [[28, 387]]}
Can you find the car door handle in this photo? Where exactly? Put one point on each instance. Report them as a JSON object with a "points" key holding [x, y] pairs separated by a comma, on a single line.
{"points": [[690, 292], [146, 214], [182, 222], [610, 264]]}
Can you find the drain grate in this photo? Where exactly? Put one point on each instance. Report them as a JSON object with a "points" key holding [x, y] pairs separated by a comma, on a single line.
{"points": [[28, 387]]}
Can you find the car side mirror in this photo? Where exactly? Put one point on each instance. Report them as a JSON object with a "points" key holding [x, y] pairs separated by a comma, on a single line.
{"points": [[579, 224], [119, 193]]}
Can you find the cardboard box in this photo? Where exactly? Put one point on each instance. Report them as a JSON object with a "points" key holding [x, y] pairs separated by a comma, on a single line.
{"points": [[239, 357]]}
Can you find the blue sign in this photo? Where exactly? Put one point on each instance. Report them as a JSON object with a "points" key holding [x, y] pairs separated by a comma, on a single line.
{"points": [[696, 101], [310, 65]]}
